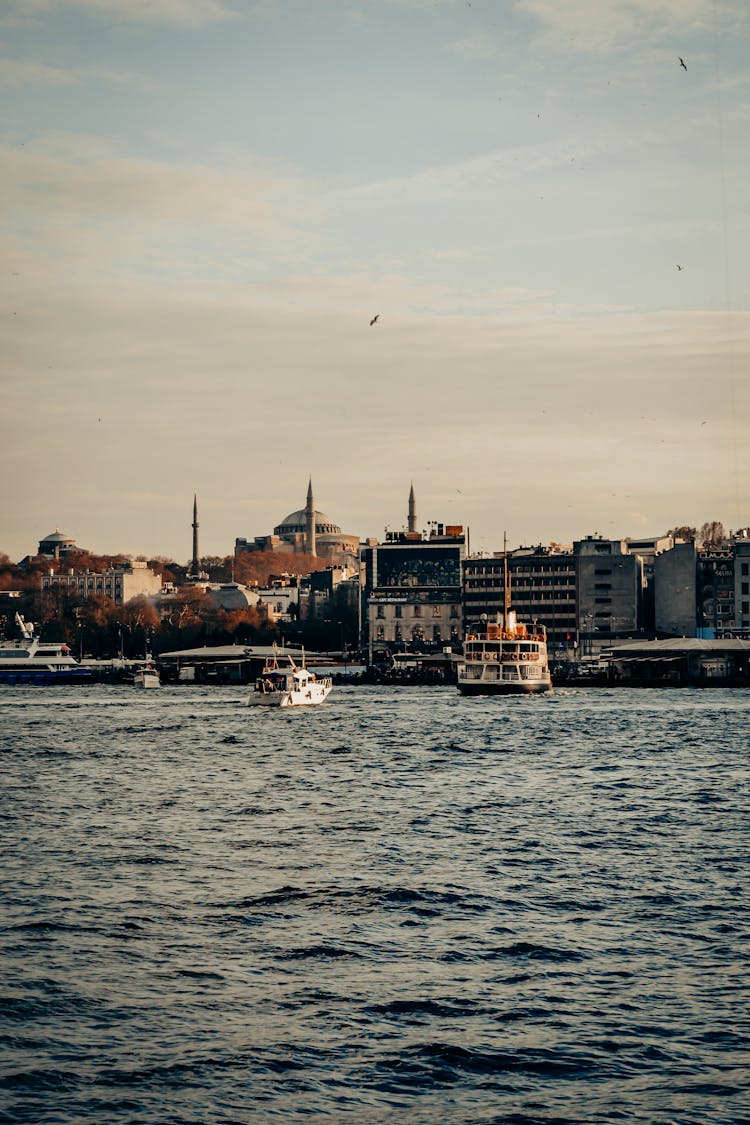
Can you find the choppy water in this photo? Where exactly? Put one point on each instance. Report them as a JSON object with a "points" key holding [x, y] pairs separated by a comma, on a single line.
{"points": [[404, 906]]}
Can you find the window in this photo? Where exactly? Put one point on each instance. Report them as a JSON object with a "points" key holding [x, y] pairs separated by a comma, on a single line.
{"points": [[381, 633], [436, 633], [436, 611], [454, 611], [746, 607], [397, 611], [417, 611], [380, 611], [745, 569], [745, 589]]}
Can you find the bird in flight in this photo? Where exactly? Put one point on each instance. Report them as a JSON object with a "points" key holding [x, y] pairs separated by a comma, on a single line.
{"points": [[679, 267], [376, 317], [682, 62]]}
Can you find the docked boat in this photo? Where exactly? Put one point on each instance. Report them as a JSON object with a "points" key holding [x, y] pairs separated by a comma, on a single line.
{"points": [[283, 683], [147, 677], [31, 661], [504, 656]]}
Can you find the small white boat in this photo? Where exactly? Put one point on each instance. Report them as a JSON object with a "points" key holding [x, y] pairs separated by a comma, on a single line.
{"points": [[286, 684], [147, 677]]}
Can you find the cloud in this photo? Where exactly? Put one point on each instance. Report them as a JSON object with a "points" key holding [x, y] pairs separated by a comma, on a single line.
{"points": [[179, 13], [76, 199], [595, 24], [29, 72]]}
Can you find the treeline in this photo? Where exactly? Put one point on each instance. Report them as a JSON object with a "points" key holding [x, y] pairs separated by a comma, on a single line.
{"points": [[187, 618]]}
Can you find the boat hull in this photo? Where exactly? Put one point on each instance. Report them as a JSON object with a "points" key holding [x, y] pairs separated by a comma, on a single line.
{"points": [[147, 680], [503, 688], [309, 697], [43, 677]]}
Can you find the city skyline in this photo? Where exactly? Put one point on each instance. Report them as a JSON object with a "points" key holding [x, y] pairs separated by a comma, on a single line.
{"points": [[207, 203], [413, 522]]}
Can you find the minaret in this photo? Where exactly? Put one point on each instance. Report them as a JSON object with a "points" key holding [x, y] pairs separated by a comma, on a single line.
{"points": [[310, 521], [412, 510], [194, 570]]}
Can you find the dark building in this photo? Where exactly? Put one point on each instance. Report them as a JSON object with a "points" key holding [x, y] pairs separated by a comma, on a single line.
{"points": [[543, 588], [411, 594]]}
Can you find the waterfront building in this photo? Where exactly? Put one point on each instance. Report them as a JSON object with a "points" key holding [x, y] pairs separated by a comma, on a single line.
{"points": [[715, 589], [411, 591], [610, 588], [675, 591], [543, 588], [647, 548], [120, 583], [583, 595], [742, 585]]}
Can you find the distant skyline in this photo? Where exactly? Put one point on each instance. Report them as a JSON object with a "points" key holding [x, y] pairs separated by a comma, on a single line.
{"points": [[207, 202]]}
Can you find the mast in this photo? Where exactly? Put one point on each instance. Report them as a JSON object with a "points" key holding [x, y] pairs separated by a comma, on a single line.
{"points": [[506, 582]]}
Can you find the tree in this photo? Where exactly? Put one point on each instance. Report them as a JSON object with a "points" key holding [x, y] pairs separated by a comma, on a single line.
{"points": [[683, 532], [257, 567], [712, 534]]}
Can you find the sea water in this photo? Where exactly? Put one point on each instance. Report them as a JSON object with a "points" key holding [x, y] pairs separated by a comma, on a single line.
{"points": [[402, 906]]}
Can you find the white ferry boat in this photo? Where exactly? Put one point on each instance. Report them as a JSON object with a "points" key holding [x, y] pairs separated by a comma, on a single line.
{"points": [[504, 657], [288, 685], [31, 661]]}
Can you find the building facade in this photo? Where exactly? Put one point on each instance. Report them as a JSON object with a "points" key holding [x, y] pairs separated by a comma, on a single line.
{"points": [[543, 588], [411, 592], [119, 583], [742, 585], [675, 591], [610, 588]]}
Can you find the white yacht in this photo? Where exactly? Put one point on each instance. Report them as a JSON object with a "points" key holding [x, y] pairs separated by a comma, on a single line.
{"points": [[31, 661], [282, 683]]}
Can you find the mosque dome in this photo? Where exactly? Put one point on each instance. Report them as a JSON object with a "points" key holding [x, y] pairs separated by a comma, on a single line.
{"points": [[56, 536], [296, 523]]}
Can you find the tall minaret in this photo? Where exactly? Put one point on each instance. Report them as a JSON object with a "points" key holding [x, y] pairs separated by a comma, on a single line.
{"points": [[310, 521], [194, 570], [412, 510]]}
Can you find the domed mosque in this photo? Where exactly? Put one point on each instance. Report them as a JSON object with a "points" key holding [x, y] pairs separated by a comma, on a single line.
{"points": [[310, 532]]}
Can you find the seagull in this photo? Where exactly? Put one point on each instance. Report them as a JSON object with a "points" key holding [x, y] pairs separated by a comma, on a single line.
{"points": [[682, 62], [377, 315], [679, 267]]}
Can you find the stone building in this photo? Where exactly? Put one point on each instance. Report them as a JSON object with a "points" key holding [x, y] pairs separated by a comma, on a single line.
{"points": [[310, 532], [120, 583], [56, 545]]}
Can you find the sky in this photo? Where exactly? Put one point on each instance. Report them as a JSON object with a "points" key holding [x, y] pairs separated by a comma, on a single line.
{"points": [[205, 203]]}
